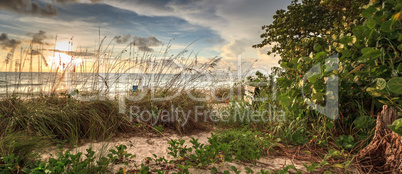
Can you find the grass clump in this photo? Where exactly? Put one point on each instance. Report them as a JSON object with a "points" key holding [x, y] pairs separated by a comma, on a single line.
{"points": [[63, 118], [185, 112], [21, 144]]}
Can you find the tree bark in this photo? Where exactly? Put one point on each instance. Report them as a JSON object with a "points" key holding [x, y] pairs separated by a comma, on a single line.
{"points": [[384, 153]]}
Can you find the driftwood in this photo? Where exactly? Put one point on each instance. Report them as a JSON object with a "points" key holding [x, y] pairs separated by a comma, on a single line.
{"points": [[384, 153]]}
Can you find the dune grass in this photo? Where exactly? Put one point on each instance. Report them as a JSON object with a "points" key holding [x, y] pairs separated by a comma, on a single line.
{"points": [[177, 113], [63, 118]]}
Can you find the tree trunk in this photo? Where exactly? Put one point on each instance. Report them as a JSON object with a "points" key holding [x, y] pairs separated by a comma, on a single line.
{"points": [[384, 153]]}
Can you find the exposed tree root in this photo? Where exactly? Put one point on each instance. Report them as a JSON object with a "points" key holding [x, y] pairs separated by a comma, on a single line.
{"points": [[384, 153]]}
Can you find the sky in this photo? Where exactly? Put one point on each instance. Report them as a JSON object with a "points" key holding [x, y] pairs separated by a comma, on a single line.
{"points": [[210, 28]]}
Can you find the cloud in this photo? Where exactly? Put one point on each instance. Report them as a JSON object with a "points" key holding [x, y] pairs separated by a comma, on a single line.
{"points": [[84, 36], [76, 1], [66, 1], [39, 37], [214, 40], [237, 22], [234, 49], [122, 39], [5, 42], [74, 53], [145, 43], [28, 7]]}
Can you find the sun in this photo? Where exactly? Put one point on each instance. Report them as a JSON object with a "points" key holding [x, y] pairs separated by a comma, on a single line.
{"points": [[62, 58]]}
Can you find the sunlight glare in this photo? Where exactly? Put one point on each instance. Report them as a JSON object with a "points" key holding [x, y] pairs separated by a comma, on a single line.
{"points": [[62, 59]]}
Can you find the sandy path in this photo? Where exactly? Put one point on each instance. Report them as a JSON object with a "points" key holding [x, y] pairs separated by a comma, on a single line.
{"points": [[147, 145]]}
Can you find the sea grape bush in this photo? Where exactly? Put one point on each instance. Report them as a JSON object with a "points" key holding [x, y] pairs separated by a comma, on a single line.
{"points": [[365, 37]]}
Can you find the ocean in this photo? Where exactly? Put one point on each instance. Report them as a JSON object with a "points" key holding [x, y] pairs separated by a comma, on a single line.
{"points": [[22, 83]]}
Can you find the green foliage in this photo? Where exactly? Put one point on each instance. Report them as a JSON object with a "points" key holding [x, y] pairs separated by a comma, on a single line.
{"points": [[21, 144], [65, 162], [346, 141], [177, 148], [119, 154], [297, 37], [10, 163], [144, 169], [244, 145], [299, 137], [234, 169], [184, 169], [397, 126], [395, 85], [259, 77], [227, 146], [312, 167], [286, 170], [367, 39], [159, 128], [214, 170], [208, 154]]}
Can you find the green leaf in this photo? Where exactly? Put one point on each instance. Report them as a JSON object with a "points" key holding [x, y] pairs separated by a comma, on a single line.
{"points": [[283, 172], [386, 26], [346, 53], [324, 163], [312, 167], [347, 145], [373, 92], [313, 78], [320, 55], [397, 123], [371, 23], [369, 11], [381, 84], [370, 53], [385, 102], [317, 47], [299, 66], [338, 166], [233, 168], [400, 47], [395, 85], [299, 138], [249, 170], [347, 39], [357, 31], [399, 68], [318, 97], [214, 170], [363, 122], [285, 100], [290, 167], [26, 170], [396, 126]]}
